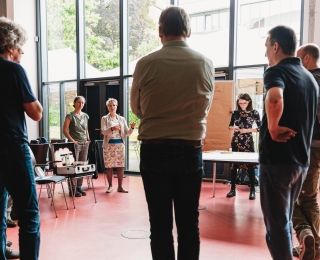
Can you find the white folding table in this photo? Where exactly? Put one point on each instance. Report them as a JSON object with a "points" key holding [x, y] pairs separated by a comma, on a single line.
{"points": [[228, 157]]}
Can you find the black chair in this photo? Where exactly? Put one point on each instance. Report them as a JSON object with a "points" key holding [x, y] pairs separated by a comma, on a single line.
{"points": [[40, 152], [58, 150], [42, 178], [96, 157], [53, 141]]}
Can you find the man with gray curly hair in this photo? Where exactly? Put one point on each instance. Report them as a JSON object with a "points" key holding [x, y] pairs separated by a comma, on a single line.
{"points": [[16, 171]]}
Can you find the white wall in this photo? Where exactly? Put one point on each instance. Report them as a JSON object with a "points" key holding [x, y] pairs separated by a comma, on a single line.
{"points": [[25, 14]]}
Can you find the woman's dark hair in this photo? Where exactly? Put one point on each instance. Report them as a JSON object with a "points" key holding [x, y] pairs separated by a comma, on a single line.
{"points": [[76, 99], [244, 96]]}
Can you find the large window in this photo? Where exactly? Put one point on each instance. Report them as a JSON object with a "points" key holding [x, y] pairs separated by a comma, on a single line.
{"points": [[103, 40], [61, 40], [255, 19], [54, 111], [209, 28], [143, 38], [61, 96]]}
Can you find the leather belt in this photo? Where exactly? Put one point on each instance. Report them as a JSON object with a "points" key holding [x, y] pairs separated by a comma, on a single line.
{"points": [[172, 142]]}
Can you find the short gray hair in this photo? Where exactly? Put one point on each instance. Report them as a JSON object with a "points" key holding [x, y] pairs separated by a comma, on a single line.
{"points": [[111, 100], [12, 35]]}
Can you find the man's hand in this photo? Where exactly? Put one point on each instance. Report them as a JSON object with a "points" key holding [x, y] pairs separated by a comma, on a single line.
{"points": [[282, 134]]}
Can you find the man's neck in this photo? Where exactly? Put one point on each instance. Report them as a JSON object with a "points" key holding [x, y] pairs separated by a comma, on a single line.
{"points": [[6, 56], [165, 39], [312, 66], [282, 56]]}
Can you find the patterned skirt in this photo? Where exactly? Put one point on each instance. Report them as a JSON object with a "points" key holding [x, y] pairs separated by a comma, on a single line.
{"points": [[113, 155], [243, 143]]}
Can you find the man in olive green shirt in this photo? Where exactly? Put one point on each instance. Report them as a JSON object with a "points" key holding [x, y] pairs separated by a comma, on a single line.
{"points": [[171, 94]]}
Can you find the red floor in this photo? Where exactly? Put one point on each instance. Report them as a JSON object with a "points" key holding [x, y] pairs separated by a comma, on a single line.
{"points": [[231, 228]]}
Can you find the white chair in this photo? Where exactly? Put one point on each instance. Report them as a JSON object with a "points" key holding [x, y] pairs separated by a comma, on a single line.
{"points": [[135, 146]]}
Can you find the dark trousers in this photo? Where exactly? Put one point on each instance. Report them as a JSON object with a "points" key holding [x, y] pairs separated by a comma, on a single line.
{"points": [[234, 174], [17, 178], [280, 185], [172, 177], [306, 209]]}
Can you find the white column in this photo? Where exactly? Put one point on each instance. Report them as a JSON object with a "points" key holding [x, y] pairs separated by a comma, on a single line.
{"points": [[311, 22]]}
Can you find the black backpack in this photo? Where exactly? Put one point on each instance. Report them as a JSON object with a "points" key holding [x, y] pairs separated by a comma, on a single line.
{"points": [[39, 140]]}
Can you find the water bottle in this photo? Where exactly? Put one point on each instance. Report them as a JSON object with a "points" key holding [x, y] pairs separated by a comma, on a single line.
{"points": [[67, 160]]}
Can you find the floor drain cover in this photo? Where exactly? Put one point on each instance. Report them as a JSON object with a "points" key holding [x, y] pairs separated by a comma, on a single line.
{"points": [[202, 207], [136, 234]]}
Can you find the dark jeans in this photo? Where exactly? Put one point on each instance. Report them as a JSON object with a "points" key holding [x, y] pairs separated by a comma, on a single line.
{"points": [[17, 178], [280, 185], [172, 177]]}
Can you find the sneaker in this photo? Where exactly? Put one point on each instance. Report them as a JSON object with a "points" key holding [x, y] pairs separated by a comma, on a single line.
{"points": [[109, 190], [78, 194], [80, 190], [122, 190], [296, 250], [11, 223], [317, 256], [306, 244], [12, 254]]}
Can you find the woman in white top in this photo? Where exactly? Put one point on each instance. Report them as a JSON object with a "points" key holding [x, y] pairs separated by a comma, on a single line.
{"points": [[114, 129]]}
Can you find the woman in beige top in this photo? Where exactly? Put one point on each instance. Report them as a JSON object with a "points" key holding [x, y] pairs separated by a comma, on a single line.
{"points": [[114, 128]]}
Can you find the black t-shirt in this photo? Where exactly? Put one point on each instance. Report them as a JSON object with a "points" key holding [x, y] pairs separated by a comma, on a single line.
{"points": [[300, 98], [15, 90]]}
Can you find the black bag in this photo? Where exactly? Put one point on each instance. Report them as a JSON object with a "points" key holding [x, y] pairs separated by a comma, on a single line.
{"points": [[39, 140]]}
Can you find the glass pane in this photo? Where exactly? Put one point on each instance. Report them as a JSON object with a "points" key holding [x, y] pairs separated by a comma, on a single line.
{"points": [[209, 23], [209, 28], [61, 19], [250, 81], [102, 38], [143, 28], [134, 145], [143, 39], [54, 111], [70, 93], [255, 19]]}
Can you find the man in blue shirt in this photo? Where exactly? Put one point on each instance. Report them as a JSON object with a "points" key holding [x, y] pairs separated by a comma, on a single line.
{"points": [[16, 171]]}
